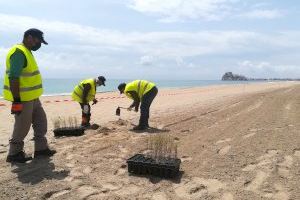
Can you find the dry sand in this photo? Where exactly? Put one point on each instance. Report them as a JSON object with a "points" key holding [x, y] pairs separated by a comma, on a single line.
{"points": [[235, 142]]}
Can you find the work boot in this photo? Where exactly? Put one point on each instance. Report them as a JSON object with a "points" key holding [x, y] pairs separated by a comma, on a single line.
{"points": [[86, 125], [139, 128], [20, 157], [44, 153]]}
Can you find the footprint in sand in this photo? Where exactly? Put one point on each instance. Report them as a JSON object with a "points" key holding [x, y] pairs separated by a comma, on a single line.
{"points": [[281, 193], [76, 172], [252, 131], [264, 162], [107, 187], [130, 189], [285, 166], [56, 194], [123, 150], [223, 151], [121, 171], [198, 188], [159, 196], [222, 141], [186, 158], [249, 135], [85, 191], [255, 184], [87, 170], [297, 152], [268, 164], [227, 196]]}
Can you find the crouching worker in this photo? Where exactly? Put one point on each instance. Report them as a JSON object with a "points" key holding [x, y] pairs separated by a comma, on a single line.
{"points": [[143, 92], [85, 92]]}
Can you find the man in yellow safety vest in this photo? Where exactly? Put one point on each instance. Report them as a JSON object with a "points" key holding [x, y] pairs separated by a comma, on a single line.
{"points": [[140, 91], [23, 87], [85, 92]]}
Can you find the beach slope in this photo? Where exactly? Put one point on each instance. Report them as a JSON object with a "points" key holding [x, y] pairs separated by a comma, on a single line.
{"points": [[235, 142]]}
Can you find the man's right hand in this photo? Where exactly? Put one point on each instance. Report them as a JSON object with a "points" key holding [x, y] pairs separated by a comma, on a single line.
{"points": [[16, 108]]}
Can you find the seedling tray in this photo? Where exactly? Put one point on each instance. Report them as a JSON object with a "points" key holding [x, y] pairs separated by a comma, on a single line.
{"points": [[165, 167], [68, 131]]}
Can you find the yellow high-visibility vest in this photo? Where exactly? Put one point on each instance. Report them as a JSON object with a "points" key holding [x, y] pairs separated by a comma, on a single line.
{"points": [[141, 87], [31, 86], [78, 91]]}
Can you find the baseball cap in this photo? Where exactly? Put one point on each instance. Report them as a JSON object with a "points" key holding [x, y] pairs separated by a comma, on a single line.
{"points": [[121, 87], [35, 33], [102, 78]]}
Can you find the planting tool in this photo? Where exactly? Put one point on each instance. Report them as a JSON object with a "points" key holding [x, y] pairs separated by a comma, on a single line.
{"points": [[118, 110]]}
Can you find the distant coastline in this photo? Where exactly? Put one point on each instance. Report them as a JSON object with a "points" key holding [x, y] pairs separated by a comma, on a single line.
{"points": [[229, 76], [64, 87]]}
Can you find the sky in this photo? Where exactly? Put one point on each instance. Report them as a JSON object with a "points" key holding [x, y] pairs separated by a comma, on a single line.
{"points": [[158, 39]]}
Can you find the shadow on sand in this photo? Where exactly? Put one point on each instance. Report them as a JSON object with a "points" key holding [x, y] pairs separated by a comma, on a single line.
{"points": [[151, 130], [37, 171], [155, 179]]}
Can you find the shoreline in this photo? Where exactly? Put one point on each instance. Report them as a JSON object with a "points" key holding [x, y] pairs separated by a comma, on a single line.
{"points": [[233, 83]]}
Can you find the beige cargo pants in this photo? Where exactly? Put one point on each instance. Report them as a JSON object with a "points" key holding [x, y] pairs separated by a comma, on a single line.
{"points": [[32, 113]]}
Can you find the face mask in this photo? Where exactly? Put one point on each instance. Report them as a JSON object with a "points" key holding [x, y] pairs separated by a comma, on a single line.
{"points": [[36, 47]]}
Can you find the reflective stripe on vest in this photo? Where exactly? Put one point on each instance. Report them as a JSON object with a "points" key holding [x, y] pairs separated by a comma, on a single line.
{"points": [[30, 80], [77, 93], [27, 74], [139, 89], [26, 89]]}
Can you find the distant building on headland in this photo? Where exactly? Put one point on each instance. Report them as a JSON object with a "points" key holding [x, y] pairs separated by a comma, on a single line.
{"points": [[229, 76]]}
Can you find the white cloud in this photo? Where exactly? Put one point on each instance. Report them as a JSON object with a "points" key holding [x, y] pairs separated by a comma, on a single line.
{"points": [[210, 10], [264, 69], [77, 50], [174, 10], [263, 14], [146, 60]]}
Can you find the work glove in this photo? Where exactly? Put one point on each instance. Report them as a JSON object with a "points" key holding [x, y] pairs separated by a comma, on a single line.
{"points": [[95, 101], [86, 109], [16, 107]]}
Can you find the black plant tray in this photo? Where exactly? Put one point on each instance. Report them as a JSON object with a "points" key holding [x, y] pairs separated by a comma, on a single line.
{"points": [[68, 131], [164, 168]]}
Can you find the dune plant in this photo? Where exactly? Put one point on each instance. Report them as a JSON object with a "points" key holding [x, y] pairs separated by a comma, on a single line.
{"points": [[161, 145], [63, 122]]}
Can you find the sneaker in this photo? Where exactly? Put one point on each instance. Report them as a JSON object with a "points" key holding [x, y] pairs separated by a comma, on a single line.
{"points": [[20, 157], [47, 153]]}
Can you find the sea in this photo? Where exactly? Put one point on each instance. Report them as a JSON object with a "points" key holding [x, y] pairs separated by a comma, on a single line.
{"points": [[53, 87]]}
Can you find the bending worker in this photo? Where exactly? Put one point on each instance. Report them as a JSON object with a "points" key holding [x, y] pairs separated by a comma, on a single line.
{"points": [[23, 87], [140, 91], [85, 92]]}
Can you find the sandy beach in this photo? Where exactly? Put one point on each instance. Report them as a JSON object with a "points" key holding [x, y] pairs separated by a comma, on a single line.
{"points": [[234, 141]]}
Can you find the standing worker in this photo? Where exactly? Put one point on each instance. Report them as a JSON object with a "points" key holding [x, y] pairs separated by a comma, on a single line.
{"points": [[85, 92], [140, 91], [23, 87]]}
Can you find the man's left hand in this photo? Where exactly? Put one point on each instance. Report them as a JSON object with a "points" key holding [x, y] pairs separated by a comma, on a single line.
{"points": [[95, 101]]}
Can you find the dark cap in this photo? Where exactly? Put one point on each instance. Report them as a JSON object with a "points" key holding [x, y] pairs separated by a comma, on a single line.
{"points": [[121, 87], [35, 33], [102, 78]]}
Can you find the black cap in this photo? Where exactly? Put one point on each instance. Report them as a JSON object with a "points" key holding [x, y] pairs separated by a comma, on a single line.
{"points": [[35, 33], [121, 87], [102, 78]]}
